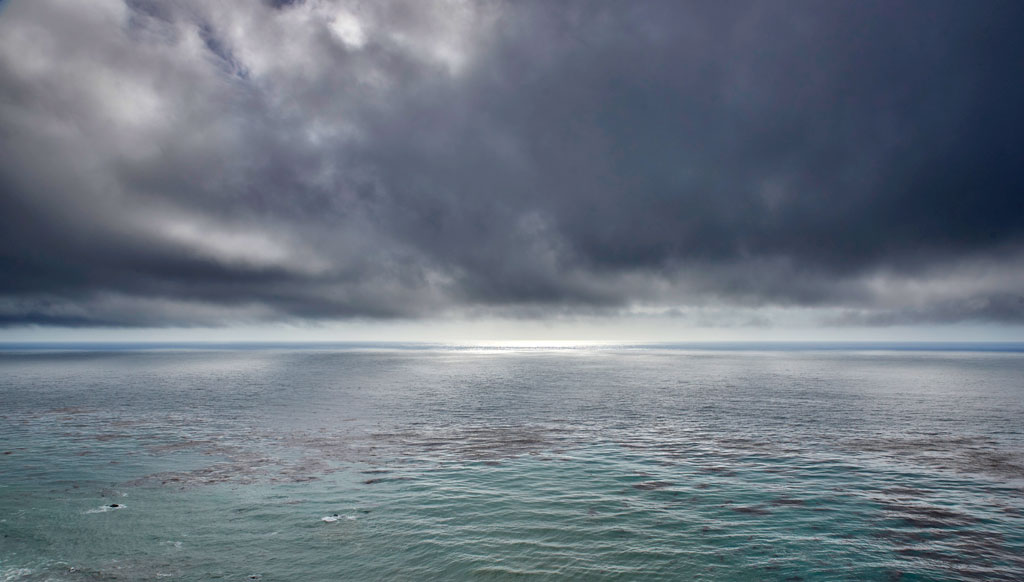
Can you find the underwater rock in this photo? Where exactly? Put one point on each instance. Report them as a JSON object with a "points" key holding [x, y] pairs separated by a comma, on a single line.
{"points": [[106, 508]]}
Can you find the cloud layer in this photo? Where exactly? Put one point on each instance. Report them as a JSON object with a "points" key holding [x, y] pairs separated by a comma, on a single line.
{"points": [[188, 162]]}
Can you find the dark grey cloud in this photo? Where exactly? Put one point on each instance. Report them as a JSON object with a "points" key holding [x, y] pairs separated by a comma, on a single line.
{"points": [[194, 163]]}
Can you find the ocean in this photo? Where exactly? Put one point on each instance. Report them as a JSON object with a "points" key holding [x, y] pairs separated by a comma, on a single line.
{"points": [[575, 462]]}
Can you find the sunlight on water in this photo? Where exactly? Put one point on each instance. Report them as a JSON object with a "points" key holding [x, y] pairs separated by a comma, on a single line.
{"points": [[499, 346]]}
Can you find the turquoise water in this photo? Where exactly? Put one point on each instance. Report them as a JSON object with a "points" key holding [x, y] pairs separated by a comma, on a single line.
{"points": [[494, 464]]}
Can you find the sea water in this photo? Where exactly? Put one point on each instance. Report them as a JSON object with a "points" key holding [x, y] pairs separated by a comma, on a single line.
{"points": [[469, 463]]}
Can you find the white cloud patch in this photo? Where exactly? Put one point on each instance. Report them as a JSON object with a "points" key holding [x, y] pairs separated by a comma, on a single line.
{"points": [[246, 247]]}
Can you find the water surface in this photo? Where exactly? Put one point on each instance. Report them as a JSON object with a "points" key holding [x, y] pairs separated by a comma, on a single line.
{"points": [[586, 462]]}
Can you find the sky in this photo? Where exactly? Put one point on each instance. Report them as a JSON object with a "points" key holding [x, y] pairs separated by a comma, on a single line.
{"points": [[445, 170]]}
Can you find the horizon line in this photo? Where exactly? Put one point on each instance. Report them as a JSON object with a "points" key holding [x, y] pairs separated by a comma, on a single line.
{"points": [[709, 345]]}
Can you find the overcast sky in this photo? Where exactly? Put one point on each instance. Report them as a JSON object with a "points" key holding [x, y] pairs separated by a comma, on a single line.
{"points": [[616, 170]]}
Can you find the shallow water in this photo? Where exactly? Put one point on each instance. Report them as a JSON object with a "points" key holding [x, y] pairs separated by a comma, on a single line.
{"points": [[493, 464]]}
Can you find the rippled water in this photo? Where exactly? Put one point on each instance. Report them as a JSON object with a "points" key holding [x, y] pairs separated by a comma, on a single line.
{"points": [[493, 464]]}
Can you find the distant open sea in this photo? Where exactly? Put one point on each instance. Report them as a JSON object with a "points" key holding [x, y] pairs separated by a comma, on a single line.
{"points": [[563, 461]]}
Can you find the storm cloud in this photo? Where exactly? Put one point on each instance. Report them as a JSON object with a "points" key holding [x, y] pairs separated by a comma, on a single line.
{"points": [[186, 162]]}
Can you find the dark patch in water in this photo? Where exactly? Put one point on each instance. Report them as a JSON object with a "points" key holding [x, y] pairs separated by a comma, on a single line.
{"points": [[719, 470], [928, 554], [901, 491], [70, 410], [384, 480], [788, 501], [208, 445], [752, 510], [963, 454], [482, 442], [111, 436], [242, 469], [928, 515], [651, 485], [901, 535]]}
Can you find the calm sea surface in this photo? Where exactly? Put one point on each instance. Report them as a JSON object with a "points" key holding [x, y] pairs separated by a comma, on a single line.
{"points": [[587, 463]]}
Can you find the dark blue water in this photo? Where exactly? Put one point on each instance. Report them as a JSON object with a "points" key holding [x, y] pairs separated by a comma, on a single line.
{"points": [[582, 462]]}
